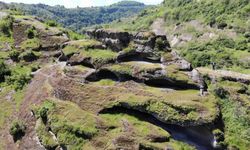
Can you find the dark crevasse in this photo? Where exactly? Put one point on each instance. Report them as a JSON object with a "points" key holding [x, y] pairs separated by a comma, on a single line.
{"points": [[198, 136]]}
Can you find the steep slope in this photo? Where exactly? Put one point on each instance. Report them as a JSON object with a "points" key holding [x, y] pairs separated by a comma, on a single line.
{"points": [[77, 18]]}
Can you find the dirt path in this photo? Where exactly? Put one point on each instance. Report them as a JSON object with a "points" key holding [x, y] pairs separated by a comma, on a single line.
{"points": [[158, 27]]}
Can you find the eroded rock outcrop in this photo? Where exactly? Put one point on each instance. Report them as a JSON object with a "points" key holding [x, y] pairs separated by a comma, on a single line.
{"points": [[33, 34], [146, 44]]}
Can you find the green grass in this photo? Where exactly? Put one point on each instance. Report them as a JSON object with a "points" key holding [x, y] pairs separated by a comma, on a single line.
{"points": [[181, 146], [79, 45], [4, 55], [133, 67], [142, 128], [174, 107], [99, 56], [106, 82], [236, 119], [6, 107], [22, 16], [72, 125], [45, 137], [30, 44], [70, 50], [85, 43], [172, 71], [75, 36]]}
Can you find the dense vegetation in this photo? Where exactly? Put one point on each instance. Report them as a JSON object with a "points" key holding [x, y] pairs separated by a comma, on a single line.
{"points": [[76, 18]]}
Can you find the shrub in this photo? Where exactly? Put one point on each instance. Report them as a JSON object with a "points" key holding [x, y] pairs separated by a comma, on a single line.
{"points": [[160, 44], [35, 68], [6, 26], [222, 25], [43, 114], [18, 80], [14, 55], [4, 70], [17, 130], [224, 42], [28, 56], [51, 23], [31, 33], [219, 135], [241, 45]]}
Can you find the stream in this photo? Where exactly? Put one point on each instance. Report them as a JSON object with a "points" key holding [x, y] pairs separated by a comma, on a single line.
{"points": [[198, 136]]}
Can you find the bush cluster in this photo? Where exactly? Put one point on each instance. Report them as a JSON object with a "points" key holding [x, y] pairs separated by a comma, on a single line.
{"points": [[17, 130], [31, 32], [4, 70], [14, 54], [18, 80], [6, 26]]}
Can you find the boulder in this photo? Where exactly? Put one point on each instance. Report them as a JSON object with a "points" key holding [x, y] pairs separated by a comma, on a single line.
{"points": [[182, 63]]}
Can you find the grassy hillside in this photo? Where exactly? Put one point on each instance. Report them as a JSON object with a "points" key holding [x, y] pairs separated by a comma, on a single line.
{"points": [[76, 18], [63, 90], [206, 32], [202, 31]]}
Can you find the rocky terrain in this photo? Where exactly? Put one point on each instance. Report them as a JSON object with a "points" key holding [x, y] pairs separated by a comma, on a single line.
{"points": [[112, 89]]}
